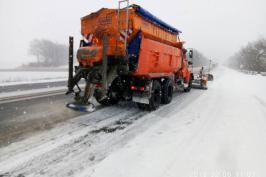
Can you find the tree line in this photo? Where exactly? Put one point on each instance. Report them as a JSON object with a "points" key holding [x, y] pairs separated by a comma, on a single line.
{"points": [[250, 57], [47, 53]]}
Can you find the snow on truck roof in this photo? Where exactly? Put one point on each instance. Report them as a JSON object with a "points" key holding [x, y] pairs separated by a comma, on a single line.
{"points": [[153, 19]]}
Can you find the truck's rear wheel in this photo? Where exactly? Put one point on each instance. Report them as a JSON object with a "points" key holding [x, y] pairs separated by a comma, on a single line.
{"points": [[167, 91], [155, 100]]}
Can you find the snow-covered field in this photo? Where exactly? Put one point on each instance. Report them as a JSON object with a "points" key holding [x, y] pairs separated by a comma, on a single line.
{"points": [[22, 77], [220, 132]]}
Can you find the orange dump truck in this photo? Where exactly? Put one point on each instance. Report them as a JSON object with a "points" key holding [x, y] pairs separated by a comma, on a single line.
{"points": [[129, 54]]}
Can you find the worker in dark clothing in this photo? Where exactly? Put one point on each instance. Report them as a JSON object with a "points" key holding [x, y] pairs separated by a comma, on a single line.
{"points": [[201, 72], [86, 41]]}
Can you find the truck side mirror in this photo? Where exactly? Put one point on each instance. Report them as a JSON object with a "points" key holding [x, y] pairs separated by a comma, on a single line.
{"points": [[190, 53], [190, 63]]}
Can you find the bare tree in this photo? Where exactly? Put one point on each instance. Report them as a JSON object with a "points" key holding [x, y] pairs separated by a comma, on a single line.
{"points": [[247, 57]]}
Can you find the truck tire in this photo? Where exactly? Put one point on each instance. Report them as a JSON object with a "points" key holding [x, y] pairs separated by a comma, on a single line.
{"points": [[167, 91], [155, 100]]}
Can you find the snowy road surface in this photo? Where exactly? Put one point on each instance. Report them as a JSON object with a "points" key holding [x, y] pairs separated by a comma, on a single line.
{"points": [[220, 132]]}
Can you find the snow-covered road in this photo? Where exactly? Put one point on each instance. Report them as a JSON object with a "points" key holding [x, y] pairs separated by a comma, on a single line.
{"points": [[220, 132]]}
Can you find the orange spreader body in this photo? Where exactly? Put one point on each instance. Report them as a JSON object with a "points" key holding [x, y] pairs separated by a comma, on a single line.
{"points": [[157, 59], [160, 52]]}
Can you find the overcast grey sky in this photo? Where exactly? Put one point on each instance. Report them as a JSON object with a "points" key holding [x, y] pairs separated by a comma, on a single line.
{"points": [[217, 28]]}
